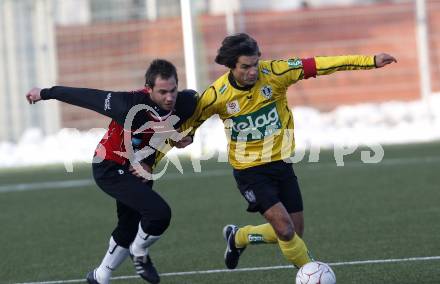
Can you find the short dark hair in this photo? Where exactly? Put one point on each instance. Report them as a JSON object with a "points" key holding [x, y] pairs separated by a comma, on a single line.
{"points": [[235, 46], [162, 68]]}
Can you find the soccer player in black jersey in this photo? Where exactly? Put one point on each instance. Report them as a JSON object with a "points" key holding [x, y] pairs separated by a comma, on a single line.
{"points": [[143, 127]]}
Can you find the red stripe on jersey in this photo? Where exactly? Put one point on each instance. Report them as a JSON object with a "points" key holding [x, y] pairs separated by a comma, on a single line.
{"points": [[111, 143], [309, 67]]}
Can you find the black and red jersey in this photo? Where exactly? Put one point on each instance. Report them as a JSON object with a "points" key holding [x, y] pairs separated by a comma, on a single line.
{"points": [[136, 120]]}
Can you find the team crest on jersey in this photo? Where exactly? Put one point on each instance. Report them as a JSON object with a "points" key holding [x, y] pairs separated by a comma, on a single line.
{"points": [[266, 92], [265, 71], [294, 63], [232, 107], [223, 89]]}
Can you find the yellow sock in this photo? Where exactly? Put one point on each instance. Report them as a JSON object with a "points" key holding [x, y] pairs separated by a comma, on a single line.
{"points": [[295, 251], [255, 235]]}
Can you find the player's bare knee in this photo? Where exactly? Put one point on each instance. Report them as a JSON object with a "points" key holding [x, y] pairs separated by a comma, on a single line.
{"points": [[286, 233]]}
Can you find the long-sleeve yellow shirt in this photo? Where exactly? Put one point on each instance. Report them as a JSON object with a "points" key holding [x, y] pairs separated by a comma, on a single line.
{"points": [[258, 121]]}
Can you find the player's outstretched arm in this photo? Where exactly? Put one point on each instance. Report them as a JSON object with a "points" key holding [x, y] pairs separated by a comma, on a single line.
{"points": [[290, 71], [383, 59], [112, 104], [326, 65]]}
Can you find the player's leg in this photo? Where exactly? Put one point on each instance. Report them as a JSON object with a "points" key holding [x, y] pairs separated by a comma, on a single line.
{"points": [[291, 244], [155, 219], [127, 227], [280, 229], [155, 214], [258, 234], [122, 236], [290, 196], [298, 222], [264, 189], [260, 187], [237, 239], [259, 190]]}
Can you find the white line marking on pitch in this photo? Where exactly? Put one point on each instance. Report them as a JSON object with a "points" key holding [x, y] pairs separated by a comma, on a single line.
{"points": [[358, 262]]}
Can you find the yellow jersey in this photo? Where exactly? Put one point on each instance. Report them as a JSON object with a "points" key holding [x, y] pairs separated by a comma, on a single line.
{"points": [[258, 121]]}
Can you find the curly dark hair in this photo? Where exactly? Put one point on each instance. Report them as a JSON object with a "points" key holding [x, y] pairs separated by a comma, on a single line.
{"points": [[162, 68], [235, 46]]}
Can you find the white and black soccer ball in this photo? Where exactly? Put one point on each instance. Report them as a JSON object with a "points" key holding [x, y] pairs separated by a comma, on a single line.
{"points": [[315, 273]]}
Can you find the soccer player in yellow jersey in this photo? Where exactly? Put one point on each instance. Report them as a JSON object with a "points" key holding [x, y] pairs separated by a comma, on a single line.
{"points": [[251, 100]]}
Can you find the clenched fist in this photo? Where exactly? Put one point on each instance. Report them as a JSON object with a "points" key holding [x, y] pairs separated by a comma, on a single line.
{"points": [[33, 95], [383, 59]]}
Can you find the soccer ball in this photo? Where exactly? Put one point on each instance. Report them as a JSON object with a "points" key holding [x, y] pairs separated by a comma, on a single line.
{"points": [[315, 273]]}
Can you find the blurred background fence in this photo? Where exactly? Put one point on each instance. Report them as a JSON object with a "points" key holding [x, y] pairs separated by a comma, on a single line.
{"points": [[108, 44]]}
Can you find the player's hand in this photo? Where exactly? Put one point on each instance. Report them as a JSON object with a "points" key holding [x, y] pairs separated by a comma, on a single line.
{"points": [[141, 170], [34, 95], [185, 141], [383, 59]]}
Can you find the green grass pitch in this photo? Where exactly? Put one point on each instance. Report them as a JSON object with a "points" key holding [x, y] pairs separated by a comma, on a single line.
{"points": [[389, 210]]}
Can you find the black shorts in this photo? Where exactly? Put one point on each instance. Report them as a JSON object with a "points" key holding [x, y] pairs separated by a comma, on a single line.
{"points": [[136, 202], [265, 185]]}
